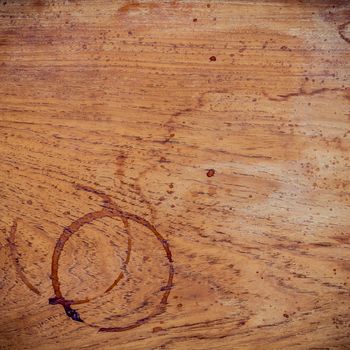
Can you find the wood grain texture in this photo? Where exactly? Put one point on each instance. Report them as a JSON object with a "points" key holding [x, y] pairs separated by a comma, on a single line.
{"points": [[224, 126]]}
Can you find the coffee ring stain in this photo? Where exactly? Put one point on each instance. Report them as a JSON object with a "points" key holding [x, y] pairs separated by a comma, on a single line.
{"points": [[341, 31], [110, 209], [15, 258], [120, 276]]}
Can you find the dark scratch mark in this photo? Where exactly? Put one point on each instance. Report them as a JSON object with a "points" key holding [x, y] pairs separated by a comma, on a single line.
{"points": [[303, 92]]}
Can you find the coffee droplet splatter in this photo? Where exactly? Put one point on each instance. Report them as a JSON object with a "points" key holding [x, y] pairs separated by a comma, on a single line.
{"points": [[211, 172]]}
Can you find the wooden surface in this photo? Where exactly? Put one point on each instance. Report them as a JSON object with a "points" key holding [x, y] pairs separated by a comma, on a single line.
{"points": [[182, 165]]}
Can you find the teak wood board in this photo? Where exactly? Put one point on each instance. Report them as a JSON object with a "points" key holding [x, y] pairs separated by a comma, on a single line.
{"points": [[175, 174]]}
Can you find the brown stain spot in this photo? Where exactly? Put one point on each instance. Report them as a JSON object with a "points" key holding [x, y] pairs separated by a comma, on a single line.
{"points": [[120, 160], [211, 172], [212, 58], [342, 238], [169, 137], [38, 3], [285, 48], [157, 329], [285, 315], [136, 5], [120, 165], [29, 202], [129, 6]]}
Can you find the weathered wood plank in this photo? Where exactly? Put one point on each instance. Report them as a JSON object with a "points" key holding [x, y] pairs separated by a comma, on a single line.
{"points": [[204, 140]]}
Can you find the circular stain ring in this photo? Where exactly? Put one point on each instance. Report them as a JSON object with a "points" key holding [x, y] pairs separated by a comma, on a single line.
{"points": [[74, 227], [110, 211]]}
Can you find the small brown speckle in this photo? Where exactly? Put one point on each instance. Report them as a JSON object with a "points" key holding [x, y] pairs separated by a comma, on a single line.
{"points": [[211, 172], [29, 202], [212, 58], [157, 329], [195, 19], [285, 315], [285, 48]]}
